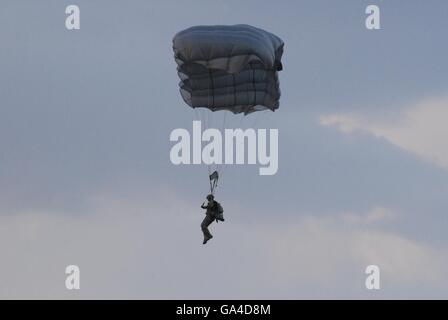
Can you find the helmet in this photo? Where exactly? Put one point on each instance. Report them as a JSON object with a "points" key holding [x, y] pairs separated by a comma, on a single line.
{"points": [[210, 197]]}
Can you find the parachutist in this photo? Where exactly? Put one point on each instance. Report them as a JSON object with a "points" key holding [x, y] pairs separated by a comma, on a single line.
{"points": [[214, 212]]}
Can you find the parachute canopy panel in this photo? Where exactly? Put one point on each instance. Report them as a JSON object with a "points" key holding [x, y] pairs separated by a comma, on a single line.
{"points": [[229, 67]]}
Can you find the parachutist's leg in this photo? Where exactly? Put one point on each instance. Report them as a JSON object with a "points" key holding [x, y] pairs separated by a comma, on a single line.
{"points": [[204, 226]]}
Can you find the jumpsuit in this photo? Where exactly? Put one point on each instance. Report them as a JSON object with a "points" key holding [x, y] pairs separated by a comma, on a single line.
{"points": [[209, 218]]}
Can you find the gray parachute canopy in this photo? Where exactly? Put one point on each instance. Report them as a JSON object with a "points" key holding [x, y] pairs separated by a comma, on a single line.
{"points": [[229, 67]]}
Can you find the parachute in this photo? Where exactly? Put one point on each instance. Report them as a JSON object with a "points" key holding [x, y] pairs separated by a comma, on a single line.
{"points": [[228, 68]]}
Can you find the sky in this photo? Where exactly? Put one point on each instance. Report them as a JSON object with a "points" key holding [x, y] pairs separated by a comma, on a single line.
{"points": [[86, 179]]}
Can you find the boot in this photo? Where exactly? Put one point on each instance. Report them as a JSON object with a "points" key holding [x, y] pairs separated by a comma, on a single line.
{"points": [[206, 239]]}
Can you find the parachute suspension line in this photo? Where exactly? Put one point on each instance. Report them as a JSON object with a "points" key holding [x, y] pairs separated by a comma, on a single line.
{"points": [[202, 115], [212, 84], [240, 122], [196, 114], [206, 120], [213, 177], [211, 110], [202, 118], [223, 128], [212, 125], [234, 89], [220, 167], [209, 114], [212, 172], [210, 119], [257, 117], [254, 87], [224, 121]]}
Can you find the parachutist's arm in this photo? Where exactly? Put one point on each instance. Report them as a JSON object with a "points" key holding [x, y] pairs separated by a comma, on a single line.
{"points": [[203, 207]]}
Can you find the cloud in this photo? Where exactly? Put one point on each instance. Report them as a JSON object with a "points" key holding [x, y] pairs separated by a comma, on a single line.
{"points": [[377, 214], [421, 128], [332, 253], [130, 247]]}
